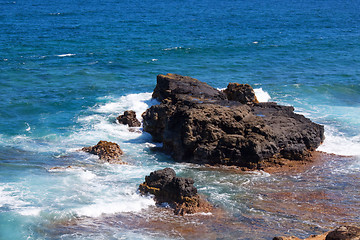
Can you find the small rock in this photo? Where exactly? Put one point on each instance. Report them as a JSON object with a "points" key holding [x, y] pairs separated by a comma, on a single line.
{"points": [[344, 233], [179, 193], [107, 151], [242, 93], [129, 118]]}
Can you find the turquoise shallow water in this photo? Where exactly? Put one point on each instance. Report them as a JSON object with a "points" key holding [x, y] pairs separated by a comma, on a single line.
{"points": [[67, 69]]}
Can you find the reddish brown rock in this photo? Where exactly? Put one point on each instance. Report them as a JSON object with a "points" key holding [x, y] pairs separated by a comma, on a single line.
{"points": [[179, 193], [107, 151], [242, 93], [340, 233], [129, 118]]}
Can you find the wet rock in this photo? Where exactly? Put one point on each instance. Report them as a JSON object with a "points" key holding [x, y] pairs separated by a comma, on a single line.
{"points": [[129, 118], [242, 93], [107, 151], [344, 233], [179, 193], [201, 126]]}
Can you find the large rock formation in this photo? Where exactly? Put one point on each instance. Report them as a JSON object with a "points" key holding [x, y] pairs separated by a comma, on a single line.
{"points": [[179, 193], [196, 123], [129, 118], [107, 151]]}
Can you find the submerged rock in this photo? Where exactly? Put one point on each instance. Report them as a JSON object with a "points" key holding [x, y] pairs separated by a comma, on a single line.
{"points": [[107, 151], [196, 123], [242, 93], [179, 193], [129, 118]]}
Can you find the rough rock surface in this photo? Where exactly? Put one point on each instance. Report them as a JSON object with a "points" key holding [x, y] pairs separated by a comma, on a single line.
{"points": [[340, 233], [344, 233], [171, 86], [107, 151], [243, 93], [196, 123], [129, 118], [179, 193]]}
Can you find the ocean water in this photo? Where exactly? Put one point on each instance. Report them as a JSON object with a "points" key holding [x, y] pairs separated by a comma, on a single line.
{"points": [[69, 68]]}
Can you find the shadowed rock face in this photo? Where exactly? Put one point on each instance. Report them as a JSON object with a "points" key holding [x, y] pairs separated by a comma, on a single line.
{"points": [[180, 193], [129, 118], [196, 123], [107, 151]]}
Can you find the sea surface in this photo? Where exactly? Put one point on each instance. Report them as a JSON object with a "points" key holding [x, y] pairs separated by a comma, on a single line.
{"points": [[69, 68]]}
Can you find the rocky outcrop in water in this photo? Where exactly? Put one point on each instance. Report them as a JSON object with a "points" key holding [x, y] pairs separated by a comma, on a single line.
{"points": [[340, 233], [344, 233], [179, 193], [242, 93], [129, 118], [197, 123], [107, 151]]}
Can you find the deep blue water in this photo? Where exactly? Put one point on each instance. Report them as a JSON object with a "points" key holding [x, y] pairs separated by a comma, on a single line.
{"points": [[68, 68]]}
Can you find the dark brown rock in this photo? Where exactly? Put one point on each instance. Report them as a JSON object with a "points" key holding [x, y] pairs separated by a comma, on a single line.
{"points": [[179, 193], [107, 151], [242, 93], [340, 233], [344, 233], [196, 127], [171, 86], [129, 118]]}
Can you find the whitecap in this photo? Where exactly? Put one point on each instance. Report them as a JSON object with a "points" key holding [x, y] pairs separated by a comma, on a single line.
{"points": [[340, 144], [261, 95], [66, 55], [125, 203], [136, 102], [30, 211], [28, 127]]}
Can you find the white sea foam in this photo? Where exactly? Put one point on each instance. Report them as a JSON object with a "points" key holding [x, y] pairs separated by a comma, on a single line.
{"points": [[338, 143], [30, 211], [28, 127], [125, 203], [174, 48], [10, 197], [261, 95], [136, 102], [66, 55]]}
